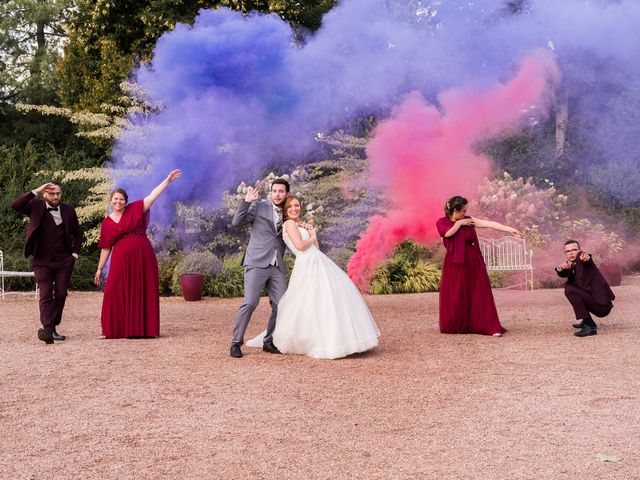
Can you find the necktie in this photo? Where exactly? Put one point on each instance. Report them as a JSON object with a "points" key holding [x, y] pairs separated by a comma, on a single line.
{"points": [[54, 209], [279, 220]]}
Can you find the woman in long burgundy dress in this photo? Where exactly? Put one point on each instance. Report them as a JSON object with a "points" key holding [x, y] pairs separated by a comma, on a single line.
{"points": [[131, 303], [466, 300]]}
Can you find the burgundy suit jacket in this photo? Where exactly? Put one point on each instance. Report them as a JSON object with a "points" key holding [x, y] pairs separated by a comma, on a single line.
{"points": [[587, 276], [28, 205]]}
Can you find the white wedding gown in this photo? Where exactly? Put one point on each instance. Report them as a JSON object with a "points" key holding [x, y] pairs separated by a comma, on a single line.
{"points": [[322, 314]]}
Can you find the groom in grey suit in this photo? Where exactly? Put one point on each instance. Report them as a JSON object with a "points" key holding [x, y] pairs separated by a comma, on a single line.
{"points": [[263, 260]]}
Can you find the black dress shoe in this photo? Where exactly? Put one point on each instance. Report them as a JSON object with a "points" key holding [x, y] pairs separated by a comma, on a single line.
{"points": [[578, 325], [57, 337], [586, 331], [270, 347], [45, 336], [235, 351]]}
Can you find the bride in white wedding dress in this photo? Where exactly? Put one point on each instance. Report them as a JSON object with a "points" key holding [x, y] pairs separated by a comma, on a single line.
{"points": [[322, 314]]}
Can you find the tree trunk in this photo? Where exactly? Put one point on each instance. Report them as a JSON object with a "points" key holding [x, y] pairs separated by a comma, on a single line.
{"points": [[562, 120]]}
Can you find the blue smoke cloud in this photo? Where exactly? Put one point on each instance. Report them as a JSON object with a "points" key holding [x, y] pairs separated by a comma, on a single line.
{"points": [[237, 91]]}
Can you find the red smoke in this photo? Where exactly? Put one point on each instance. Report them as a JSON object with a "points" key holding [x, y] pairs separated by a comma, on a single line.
{"points": [[422, 156]]}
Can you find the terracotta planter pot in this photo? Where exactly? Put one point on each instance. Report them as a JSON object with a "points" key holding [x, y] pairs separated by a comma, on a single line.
{"points": [[612, 273], [192, 286]]}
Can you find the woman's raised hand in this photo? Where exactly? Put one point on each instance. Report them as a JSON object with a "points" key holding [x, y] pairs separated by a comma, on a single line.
{"points": [[174, 175], [465, 221], [514, 233]]}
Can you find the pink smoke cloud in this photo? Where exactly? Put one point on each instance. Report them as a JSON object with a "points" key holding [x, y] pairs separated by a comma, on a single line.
{"points": [[421, 156]]}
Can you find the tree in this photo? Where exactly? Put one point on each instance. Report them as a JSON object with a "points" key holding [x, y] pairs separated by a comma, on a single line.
{"points": [[31, 34], [108, 38]]}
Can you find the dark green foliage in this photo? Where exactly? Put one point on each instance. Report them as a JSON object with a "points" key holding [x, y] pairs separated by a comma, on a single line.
{"points": [[18, 174], [108, 39], [409, 270], [84, 271], [532, 154], [398, 276], [166, 266], [42, 131], [230, 281]]}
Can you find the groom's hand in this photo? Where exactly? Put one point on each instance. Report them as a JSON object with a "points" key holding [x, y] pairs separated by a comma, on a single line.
{"points": [[252, 195], [566, 265]]}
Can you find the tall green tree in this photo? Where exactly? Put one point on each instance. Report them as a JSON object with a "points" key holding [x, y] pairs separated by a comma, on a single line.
{"points": [[31, 36], [107, 38]]}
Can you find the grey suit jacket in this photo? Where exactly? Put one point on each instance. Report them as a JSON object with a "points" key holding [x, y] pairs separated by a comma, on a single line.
{"points": [[264, 239]]}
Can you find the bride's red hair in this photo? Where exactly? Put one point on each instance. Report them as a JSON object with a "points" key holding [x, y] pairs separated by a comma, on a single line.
{"points": [[287, 202]]}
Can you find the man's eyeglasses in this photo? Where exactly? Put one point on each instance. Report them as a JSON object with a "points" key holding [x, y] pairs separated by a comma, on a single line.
{"points": [[573, 250]]}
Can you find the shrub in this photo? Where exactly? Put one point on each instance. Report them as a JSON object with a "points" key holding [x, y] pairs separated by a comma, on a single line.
{"points": [[398, 275], [166, 266], [519, 203], [594, 237], [230, 281], [205, 263], [551, 282], [499, 278]]}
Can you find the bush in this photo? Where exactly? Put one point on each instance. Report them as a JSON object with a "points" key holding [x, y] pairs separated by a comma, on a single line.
{"points": [[166, 266], [400, 276], [230, 281], [205, 263], [83, 272], [551, 282], [499, 278]]}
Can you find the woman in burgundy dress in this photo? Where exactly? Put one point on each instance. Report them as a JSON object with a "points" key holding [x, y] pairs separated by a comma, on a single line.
{"points": [[466, 300], [131, 303]]}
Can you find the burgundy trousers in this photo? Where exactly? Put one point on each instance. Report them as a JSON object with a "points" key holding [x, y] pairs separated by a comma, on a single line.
{"points": [[583, 303], [53, 278]]}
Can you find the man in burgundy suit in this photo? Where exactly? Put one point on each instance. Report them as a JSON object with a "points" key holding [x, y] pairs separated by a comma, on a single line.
{"points": [[586, 289], [54, 239]]}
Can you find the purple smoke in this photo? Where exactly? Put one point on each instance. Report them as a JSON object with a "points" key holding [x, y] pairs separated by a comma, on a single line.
{"points": [[239, 95]]}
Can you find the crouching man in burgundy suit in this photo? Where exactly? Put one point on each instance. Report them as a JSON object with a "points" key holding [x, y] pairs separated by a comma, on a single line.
{"points": [[54, 239], [586, 289]]}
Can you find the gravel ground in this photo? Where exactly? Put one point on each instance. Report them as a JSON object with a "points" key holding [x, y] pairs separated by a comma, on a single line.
{"points": [[537, 403]]}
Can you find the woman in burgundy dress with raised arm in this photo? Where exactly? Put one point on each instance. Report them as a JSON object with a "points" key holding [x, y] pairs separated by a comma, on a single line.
{"points": [[466, 300], [131, 303]]}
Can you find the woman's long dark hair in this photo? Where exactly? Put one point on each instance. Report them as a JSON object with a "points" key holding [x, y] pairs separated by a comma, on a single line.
{"points": [[454, 204]]}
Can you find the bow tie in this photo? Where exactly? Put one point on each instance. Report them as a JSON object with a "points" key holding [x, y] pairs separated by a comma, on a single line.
{"points": [[54, 209]]}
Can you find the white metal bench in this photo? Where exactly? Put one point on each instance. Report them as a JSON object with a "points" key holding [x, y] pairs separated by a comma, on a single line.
{"points": [[4, 273], [508, 254]]}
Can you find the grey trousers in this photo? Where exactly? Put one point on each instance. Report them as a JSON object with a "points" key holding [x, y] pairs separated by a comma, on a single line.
{"points": [[255, 279]]}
